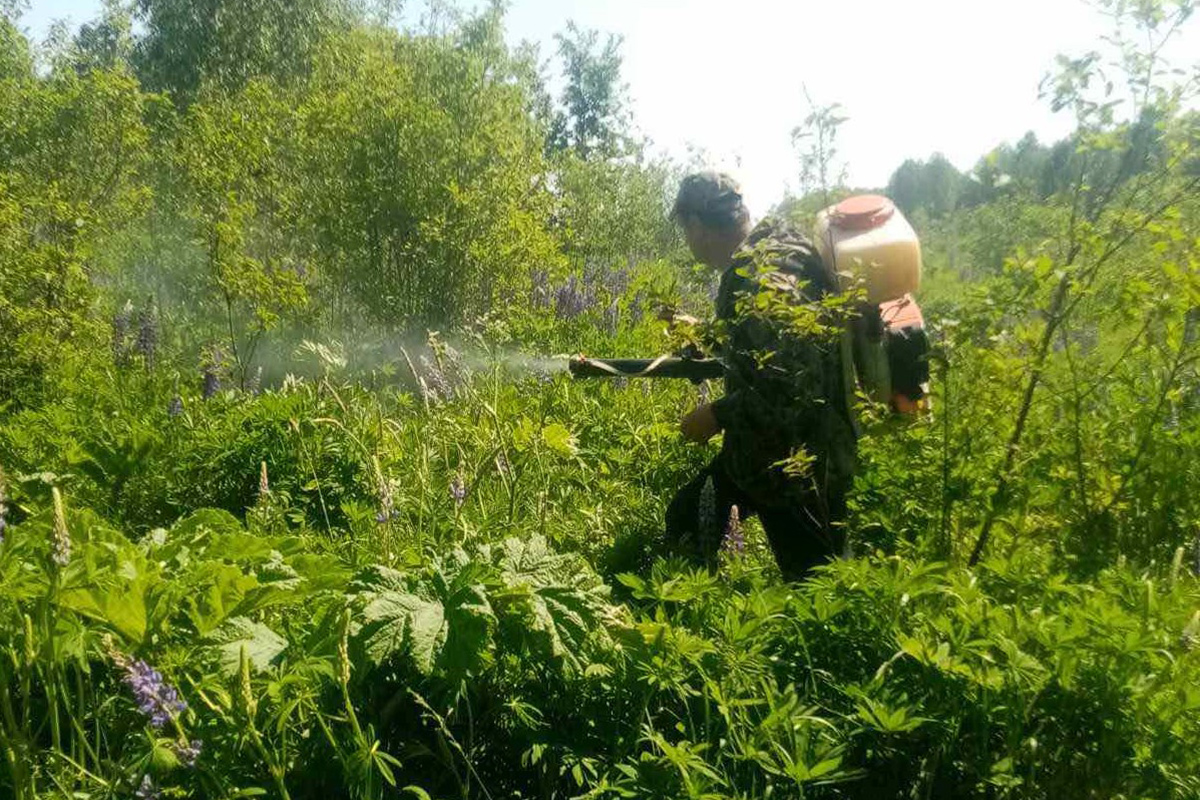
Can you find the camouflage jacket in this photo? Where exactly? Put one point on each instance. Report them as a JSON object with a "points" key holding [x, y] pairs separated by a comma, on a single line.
{"points": [[789, 383]]}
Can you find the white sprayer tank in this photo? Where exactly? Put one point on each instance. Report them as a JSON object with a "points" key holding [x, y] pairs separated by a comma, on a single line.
{"points": [[867, 237]]}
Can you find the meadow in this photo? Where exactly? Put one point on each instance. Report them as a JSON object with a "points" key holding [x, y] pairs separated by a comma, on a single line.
{"points": [[297, 499]]}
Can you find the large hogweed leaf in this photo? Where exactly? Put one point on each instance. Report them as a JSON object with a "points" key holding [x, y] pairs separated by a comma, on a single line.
{"points": [[261, 644], [111, 581], [216, 592], [550, 601], [440, 619], [403, 623], [461, 585]]}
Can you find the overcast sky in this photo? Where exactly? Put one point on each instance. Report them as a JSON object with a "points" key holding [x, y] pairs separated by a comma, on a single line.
{"points": [[914, 77]]}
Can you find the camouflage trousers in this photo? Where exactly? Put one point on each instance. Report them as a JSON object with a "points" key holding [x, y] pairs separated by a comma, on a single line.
{"points": [[805, 533]]}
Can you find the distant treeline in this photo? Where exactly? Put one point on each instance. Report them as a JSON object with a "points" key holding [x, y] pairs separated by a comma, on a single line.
{"points": [[311, 165], [934, 187]]}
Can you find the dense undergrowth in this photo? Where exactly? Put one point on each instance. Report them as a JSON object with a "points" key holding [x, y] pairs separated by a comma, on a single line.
{"points": [[470, 599], [262, 533]]}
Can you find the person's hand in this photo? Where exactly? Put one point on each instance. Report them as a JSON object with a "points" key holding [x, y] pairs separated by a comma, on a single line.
{"points": [[700, 425]]}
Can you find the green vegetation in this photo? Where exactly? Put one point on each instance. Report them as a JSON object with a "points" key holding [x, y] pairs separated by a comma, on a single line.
{"points": [[292, 504]]}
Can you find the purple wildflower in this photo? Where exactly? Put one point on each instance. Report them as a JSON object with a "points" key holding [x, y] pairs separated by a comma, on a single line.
{"points": [[146, 343], [175, 407], [156, 698], [147, 790], [456, 367], [387, 507], [572, 300], [458, 490], [734, 543], [211, 383], [593, 273], [635, 310], [254, 382], [707, 511], [436, 385], [612, 318], [211, 376], [188, 753], [617, 282], [120, 333], [540, 281]]}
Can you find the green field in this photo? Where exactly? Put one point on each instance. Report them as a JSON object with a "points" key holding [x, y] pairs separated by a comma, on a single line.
{"points": [[298, 500]]}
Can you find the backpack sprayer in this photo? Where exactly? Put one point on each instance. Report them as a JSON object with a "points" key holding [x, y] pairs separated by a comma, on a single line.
{"points": [[864, 237]]}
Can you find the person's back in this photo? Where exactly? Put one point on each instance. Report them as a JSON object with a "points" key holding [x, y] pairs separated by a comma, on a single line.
{"points": [[786, 391], [790, 441]]}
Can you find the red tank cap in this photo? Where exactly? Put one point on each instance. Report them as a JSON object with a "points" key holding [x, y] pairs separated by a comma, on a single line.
{"points": [[863, 212]]}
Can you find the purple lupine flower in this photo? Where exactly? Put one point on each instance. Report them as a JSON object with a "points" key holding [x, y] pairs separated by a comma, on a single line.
{"points": [[571, 300], [147, 790], [387, 507], [564, 299], [188, 753], [612, 318], [540, 281], [458, 490], [636, 311], [617, 282], [175, 407], [146, 343], [593, 272], [254, 382], [156, 698], [436, 383], [707, 511], [210, 377], [120, 333], [211, 383], [456, 368], [734, 543]]}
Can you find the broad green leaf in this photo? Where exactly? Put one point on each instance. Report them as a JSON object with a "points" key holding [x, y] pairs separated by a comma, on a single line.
{"points": [[262, 645], [218, 591], [559, 439], [398, 623]]}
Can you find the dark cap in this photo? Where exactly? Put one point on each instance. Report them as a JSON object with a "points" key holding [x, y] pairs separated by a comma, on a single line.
{"points": [[714, 198]]}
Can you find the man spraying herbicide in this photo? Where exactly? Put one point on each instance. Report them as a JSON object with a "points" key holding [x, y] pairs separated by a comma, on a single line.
{"points": [[790, 443]]}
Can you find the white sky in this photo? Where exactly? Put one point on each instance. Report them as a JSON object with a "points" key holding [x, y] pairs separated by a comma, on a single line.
{"points": [[913, 76]]}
